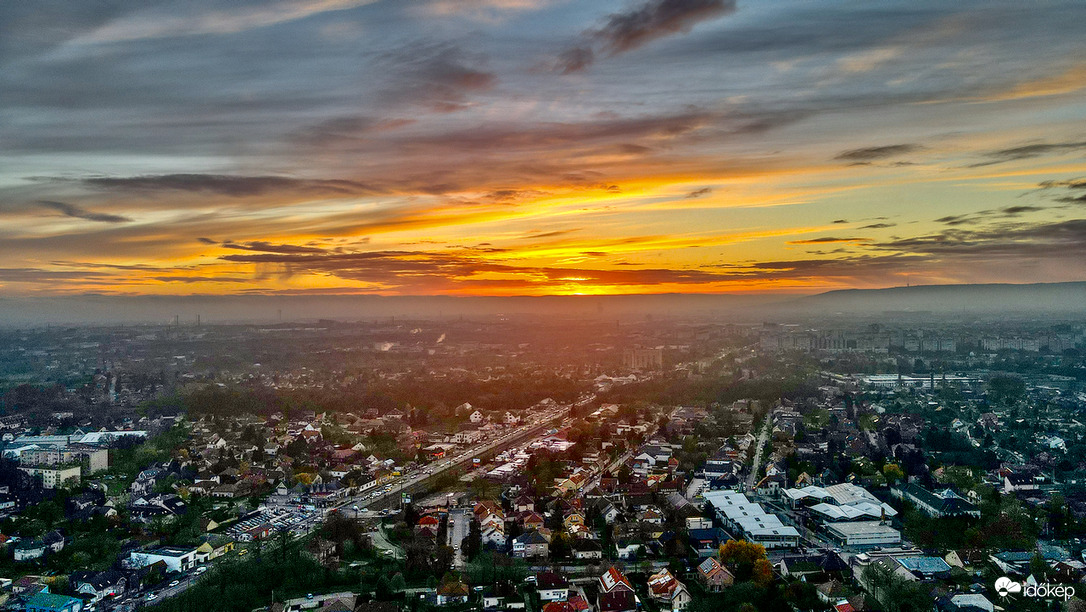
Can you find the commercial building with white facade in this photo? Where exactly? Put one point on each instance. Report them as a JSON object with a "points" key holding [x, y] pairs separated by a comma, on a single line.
{"points": [[750, 521], [176, 559], [863, 534]]}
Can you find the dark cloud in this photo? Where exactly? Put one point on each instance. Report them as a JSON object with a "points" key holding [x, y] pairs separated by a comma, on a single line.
{"points": [[840, 221], [1071, 184], [550, 234], [697, 193], [430, 271], [226, 185], [625, 31], [267, 247], [876, 153], [202, 279], [575, 59], [1030, 151], [71, 210], [956, 220], [1013, 211], [207, 240], [827, 240], [656, 19], [1057, 240], [1071, 187], [878, 226]]}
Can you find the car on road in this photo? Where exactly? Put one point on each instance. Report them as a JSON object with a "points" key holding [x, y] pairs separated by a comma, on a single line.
{"points": [[243, 551], [175, 583], [201, 570], [151, 597]]}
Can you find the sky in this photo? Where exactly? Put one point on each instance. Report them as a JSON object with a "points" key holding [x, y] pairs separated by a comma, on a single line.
{"points": [[538, 147]]}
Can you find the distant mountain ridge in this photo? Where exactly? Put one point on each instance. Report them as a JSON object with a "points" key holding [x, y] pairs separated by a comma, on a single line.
{"points": [[1038, 297]]}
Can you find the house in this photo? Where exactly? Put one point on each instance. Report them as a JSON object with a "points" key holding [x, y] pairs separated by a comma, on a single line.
{"points": [[651, 515], [54, 540], [532, 521], [1021, 481], [28, 550], [452, 592], [714, 576], [428, 525], [476, 417], [972, 601], [500, 597], [583, 548], [827, 563], [615, 594], [524, 504], [259, 532], [706, 541], [99, 585], [177, 559], [213, 548], [493, 535], [609, 513], [936, 505], [552, 586], [668, 591], [574, 522], [529, 545], [627, 550], [48, 602]]}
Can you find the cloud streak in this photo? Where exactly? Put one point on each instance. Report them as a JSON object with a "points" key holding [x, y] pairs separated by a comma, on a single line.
{"points": [[71, 210], [629, 30]]}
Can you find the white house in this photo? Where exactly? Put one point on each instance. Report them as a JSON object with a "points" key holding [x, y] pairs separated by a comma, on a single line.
{"points": [[176, 559]]}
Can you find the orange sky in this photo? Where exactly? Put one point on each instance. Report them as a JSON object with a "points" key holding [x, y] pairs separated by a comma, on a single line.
{"points": [[489, 147]]}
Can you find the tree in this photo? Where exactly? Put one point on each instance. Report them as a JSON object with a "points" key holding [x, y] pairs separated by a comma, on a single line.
{"points": [[474, 542], [398, 583], [893, 472], [743, 557], [762, 573], [410, 515]]}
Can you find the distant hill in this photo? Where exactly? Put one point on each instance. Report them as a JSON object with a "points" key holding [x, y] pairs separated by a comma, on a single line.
{"points": [[108, 310], [1040, 297]]}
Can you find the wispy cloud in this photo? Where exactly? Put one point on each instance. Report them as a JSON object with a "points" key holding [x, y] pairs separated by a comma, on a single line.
{"points": [[71, 210], [1001, 156], [626, 31], [224, 185], [877, 153]]}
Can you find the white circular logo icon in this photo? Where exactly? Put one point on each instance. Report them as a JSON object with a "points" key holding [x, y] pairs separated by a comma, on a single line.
{"points": [[1005, 586]]}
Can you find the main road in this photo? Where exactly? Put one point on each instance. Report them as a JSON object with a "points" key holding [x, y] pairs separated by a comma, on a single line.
{"points": [[389, 494]]}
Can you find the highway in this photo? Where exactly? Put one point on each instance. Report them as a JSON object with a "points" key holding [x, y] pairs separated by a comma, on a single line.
{"points": [[413, 482]]}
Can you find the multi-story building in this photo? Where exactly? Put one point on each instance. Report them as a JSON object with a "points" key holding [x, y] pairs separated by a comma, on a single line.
{"points": [[54, 476]]}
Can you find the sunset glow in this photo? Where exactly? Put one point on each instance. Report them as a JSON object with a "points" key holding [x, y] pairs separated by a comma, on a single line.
{"points": [[539, 147]]}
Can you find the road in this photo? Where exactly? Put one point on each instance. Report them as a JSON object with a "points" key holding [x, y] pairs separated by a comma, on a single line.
{"points": [[389, 495], [381, 542], [459, 527], [762, 439]]}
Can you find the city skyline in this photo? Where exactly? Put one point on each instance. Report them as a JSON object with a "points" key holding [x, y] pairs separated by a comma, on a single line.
{"points": [[521, 147]]}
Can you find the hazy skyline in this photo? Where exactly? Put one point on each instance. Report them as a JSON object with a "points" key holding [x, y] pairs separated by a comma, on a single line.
{"points": [[530, 147]]}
